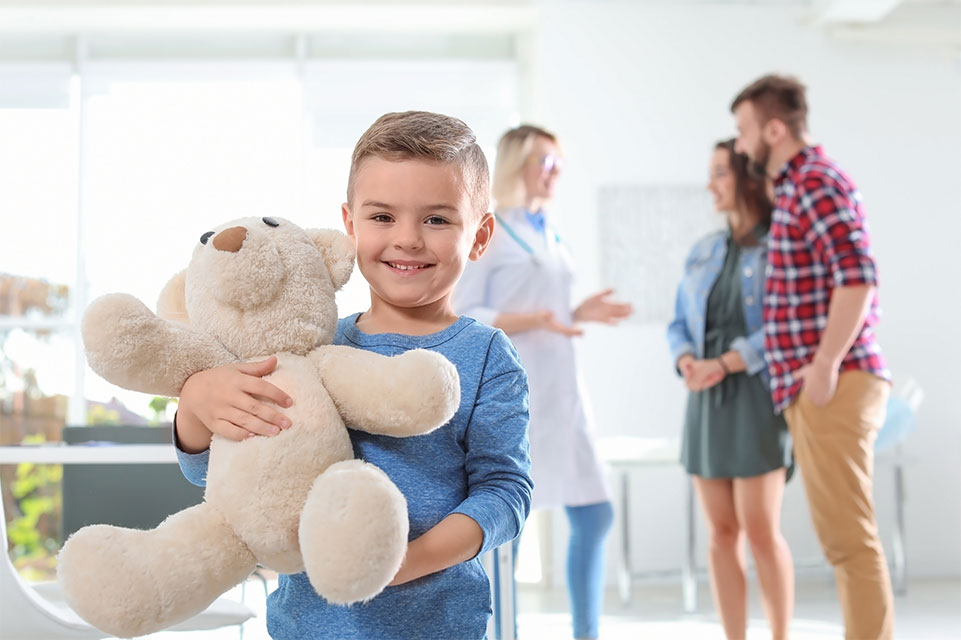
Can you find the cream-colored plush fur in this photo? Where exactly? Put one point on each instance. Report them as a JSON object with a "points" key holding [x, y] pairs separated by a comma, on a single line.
{"points": [[296, 501]]}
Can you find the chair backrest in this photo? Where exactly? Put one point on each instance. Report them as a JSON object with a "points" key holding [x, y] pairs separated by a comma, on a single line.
{"points": [[135, 496], [900, 422], [24, 613]]}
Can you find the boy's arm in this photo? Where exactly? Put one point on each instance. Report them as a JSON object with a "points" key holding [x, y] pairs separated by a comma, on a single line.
{"points": [[455, 539], [192, 465], [497, 460], [230, 401], [498, 472], [210, 397]]}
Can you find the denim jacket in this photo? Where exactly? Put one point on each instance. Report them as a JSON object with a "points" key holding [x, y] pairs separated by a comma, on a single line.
{"points": [[685, 334]]}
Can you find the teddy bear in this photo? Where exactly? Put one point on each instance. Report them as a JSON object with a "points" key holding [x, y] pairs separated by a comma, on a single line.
{"points": [[297, 501]]}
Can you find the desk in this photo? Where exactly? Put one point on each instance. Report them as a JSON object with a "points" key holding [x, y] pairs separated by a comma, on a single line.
{"points": [[107, 453], [625, 454]]}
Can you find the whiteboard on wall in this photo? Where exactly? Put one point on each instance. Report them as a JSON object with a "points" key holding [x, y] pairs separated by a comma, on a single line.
{"points": [[646, 234]]}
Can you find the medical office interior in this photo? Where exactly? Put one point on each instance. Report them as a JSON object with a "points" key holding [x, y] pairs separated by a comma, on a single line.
{"points": [[128, 129]]}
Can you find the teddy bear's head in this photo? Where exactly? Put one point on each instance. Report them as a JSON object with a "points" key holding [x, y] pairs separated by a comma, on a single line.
{"points": [[262, 286]]}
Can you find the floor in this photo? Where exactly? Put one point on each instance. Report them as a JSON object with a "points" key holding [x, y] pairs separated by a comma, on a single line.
{"points": [[931, 610]]}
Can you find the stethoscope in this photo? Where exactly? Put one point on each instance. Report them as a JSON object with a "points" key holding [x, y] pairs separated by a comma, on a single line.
{"points": [[520, 241]]}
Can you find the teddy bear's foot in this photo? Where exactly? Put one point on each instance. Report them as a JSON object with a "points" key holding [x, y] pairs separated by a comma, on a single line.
{"points": [[353, 532], [130, 583]]}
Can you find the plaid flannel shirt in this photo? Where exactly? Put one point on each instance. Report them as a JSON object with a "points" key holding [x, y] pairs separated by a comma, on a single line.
{"points": [[818, 241]]}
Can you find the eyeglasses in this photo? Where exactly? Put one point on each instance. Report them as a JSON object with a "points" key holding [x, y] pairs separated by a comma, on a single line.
{"points": [[551, 163]]}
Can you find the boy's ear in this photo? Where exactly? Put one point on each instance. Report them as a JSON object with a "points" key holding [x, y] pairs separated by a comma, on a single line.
{"points": [[348, 221], [482, 238]]}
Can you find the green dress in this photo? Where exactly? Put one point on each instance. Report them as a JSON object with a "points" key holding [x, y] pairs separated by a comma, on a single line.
{"points": [[731, 430]]}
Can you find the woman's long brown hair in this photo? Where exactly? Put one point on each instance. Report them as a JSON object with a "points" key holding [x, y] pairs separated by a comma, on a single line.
{"points": [[750, 194]]}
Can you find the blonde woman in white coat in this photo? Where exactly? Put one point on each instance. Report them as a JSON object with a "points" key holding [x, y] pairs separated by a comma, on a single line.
{"points": [[523, 286]]}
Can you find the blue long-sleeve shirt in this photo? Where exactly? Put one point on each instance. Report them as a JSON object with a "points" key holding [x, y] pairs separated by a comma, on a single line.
{"points": [[477, 464]]}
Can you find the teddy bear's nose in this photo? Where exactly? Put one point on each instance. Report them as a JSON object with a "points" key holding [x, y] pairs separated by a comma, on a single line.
{"points": [[230, 239]]}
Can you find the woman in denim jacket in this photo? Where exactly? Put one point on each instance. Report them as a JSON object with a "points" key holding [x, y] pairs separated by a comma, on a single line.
{"points": [[735, 447]]}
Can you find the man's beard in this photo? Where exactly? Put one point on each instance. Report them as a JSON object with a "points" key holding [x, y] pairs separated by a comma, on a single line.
{"points": [[758, 163]]}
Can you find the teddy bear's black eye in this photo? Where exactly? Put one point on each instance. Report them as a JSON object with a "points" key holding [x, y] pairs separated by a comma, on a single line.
{"points": [[270, 222], [204, 238]]}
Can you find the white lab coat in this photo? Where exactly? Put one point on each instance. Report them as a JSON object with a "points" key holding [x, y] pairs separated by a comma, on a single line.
{"points": [[511, 279]]}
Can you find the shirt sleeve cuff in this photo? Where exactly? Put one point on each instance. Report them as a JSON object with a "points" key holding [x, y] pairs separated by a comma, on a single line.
{"points": [[497, 521], [681, 351], [192, 465], [753, 361], [855, 272]]}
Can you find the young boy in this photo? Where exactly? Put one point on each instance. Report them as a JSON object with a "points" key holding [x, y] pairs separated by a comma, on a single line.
{"points": [[417, 199]]}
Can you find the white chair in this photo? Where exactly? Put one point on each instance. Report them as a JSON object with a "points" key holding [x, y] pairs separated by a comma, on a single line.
{"points": [[499, 564], [30, 612], [899, 423]]}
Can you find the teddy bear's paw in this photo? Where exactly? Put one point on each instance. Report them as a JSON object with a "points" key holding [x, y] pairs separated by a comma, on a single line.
{"points": [[353, 532], [103, 580], [120, 336], [107, 317], [129, 583], [437, 389]]}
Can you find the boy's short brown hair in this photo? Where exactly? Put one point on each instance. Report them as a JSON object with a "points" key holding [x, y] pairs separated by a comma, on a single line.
{"points": [[780, 97], [421, 135]]}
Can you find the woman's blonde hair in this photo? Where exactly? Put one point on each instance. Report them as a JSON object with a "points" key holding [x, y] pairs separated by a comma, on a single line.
{"points": [[513, 150]]}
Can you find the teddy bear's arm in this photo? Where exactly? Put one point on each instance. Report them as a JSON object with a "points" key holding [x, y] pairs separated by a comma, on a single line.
{"points": [[128, 345], [405, 395]]}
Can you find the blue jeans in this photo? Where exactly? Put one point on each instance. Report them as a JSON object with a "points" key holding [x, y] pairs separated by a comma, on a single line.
{"points": [[589, 525]]}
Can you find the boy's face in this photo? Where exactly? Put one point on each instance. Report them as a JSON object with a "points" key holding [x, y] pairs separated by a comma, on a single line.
{"points": [[414, 228]]}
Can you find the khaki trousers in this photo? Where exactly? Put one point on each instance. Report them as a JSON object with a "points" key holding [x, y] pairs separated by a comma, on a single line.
{"points": [[834, 449]]}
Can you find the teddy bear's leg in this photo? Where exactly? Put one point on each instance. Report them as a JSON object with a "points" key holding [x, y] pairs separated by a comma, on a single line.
{"points": [[129, 582], [353, 532]]}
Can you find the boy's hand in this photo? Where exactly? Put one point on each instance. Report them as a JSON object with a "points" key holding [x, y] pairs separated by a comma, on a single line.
{"points": [[231, 400], [598, 308], [455, 539]]}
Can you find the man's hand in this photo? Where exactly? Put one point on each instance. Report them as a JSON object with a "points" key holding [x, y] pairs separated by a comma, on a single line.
{"points": [[820, 381]]}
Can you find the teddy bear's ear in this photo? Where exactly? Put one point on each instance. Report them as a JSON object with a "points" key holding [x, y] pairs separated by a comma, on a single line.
{"points": [[338, 252], [172, 303]]}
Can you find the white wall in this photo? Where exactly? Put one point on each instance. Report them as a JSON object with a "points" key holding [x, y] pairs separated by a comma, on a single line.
{"points": [[639, 93]]}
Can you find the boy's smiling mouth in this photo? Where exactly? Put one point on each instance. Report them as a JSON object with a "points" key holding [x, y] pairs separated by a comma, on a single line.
{"points": [[406, 265]]}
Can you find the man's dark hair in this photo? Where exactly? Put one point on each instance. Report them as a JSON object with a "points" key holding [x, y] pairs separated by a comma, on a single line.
{"points": [[780, 97]]}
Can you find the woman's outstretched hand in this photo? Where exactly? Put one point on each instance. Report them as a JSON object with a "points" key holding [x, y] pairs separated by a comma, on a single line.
{"points": [[600, 308]]}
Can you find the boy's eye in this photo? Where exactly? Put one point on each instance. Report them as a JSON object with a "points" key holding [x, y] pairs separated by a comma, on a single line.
{"points": [[436, 220], [380, 217]]}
